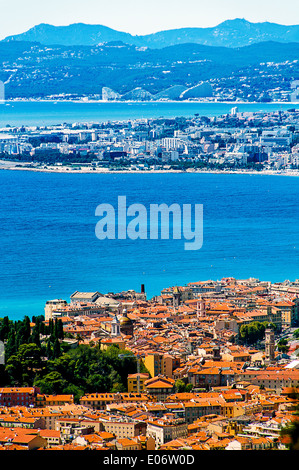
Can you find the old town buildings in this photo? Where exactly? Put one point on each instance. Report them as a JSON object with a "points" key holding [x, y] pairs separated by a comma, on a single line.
{"points": [[200, 384]]}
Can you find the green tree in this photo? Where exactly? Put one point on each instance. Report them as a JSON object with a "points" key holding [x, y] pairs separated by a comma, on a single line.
{"points": [[25, 329], [10, 346], [34, 338], [98, 383], [282, 345], [56, 348], [4, 328], [50, 327], [116, 384], [72, 389], [180, 386], [14, 370], [58, 329], [64, 364], [291, 431], [49, 349], [30, 356], [51, 383], [252, 332]]}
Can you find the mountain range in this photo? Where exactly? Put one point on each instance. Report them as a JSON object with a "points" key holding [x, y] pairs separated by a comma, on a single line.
{"points": [[236, 59], [30, 69], [230, 33]]}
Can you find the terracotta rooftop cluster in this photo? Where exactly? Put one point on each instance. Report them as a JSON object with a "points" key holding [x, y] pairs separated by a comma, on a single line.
{"points": [[188, 335]]}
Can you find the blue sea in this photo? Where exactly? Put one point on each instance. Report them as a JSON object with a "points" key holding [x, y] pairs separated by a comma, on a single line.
{"points": [[48, 246], [18, 113]]}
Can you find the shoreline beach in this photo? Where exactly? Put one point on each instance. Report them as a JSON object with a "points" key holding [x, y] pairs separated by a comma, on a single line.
{"points": [[89, 101], [11, 166]]}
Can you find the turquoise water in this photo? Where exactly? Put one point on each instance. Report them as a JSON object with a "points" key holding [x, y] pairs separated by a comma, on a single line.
{"points": [[49, 249], [48, 243], [46, 113]]}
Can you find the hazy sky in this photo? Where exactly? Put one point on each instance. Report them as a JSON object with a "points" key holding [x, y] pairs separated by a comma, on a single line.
{"points": [[141, 16]]}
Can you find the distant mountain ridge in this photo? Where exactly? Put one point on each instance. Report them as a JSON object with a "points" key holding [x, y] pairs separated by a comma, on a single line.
{"points": [[230, 33]]}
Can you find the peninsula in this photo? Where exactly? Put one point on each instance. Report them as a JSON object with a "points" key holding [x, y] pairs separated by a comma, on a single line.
{"points": [[258, 142]]}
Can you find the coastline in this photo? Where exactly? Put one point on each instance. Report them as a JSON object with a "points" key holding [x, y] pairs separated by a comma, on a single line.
{"points": [[12, 166], [87, 101]]}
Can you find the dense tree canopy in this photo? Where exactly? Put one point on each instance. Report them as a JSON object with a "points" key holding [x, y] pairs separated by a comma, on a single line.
{"points": [[36, 355], [252, 332]]}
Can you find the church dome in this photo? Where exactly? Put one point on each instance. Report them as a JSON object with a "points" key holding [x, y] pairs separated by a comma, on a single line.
{"points": [[125, 321], [126, 324]]}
